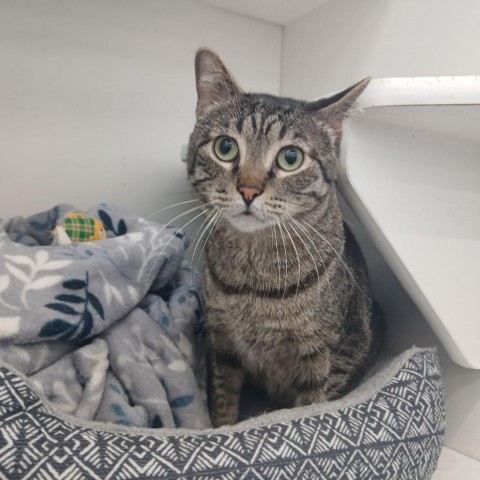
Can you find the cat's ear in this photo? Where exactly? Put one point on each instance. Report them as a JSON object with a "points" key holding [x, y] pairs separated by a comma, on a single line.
{"points": [[214, 82], [333, 110]]}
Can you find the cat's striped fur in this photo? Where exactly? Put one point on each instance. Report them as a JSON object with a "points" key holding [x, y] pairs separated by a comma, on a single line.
{"points": [[285, 285]]}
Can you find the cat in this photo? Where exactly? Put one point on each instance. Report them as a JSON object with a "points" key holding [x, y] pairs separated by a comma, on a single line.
{"points": [[285, 285]]}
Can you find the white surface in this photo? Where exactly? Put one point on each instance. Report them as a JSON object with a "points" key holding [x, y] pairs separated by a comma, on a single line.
{"points": [[451, 90], [463, 408], [96, 98], [455, 466], [346, 40], [440, 119], [420, 194], [281, 12]]}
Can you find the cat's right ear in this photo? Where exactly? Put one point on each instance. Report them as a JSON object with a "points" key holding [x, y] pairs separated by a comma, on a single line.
{"points": [[333, 110], [214, 83]]}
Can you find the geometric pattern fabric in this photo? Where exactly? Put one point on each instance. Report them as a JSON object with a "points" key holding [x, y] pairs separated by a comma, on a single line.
{"points": [[396, 434]]}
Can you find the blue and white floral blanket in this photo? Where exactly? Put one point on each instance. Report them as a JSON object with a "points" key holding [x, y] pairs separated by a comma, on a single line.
{"points": [[109, 330]]}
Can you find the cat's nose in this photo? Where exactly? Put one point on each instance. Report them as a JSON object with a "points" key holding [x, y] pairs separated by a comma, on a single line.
{"points": [[249, 193]]}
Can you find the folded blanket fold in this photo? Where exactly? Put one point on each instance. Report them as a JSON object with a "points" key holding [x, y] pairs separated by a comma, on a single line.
{"points": [[109, 330]]}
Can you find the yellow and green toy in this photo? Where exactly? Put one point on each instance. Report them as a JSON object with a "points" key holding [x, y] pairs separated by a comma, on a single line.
{"points": [[79, 227]]}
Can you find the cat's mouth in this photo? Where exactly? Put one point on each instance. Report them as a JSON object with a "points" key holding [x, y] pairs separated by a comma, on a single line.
{"points": [[248, 220], [248, 215], [244, 211]]}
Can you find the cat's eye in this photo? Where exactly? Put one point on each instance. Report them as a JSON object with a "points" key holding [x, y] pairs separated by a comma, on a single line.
{"points": [[226, 148], [289, 158]]}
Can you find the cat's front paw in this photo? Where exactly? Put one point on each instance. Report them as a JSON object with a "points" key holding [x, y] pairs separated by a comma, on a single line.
{"points": [[224, 416], [225, 385], [307, 398]]}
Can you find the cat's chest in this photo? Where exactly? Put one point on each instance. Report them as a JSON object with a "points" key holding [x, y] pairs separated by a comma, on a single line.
{"points": [[261, 327], [269, 334], [256, 263], [270, 349]]}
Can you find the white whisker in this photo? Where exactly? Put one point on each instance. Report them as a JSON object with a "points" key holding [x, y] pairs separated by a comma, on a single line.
{"points": [[216, 220], [345, 266], [278, 255], [169, 223], [300, 227], [172, 220], [168, 243], [198, 236], [171, 206], [286, 258], [298, 257], [304, 230]]}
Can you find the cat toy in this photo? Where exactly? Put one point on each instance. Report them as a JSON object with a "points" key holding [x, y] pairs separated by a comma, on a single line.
{"points": [[78, 227]]}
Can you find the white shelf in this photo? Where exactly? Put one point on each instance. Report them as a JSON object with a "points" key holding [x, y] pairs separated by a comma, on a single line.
{"points": [[411, 171]]}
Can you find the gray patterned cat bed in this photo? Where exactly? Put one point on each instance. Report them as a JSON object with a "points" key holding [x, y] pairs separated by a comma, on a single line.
{"points": [[391, 427]]}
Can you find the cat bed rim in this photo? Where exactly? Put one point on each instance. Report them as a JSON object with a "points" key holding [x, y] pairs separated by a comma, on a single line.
{"points": [[366, 391]]}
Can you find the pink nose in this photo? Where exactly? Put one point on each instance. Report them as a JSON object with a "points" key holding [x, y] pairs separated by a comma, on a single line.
{"points": [[249, 193]]}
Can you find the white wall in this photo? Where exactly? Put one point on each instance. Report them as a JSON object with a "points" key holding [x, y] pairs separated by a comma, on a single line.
{"points": [[97, 97], [346, 40]]}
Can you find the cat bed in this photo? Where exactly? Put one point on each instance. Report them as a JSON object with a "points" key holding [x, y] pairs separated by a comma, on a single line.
{"points": [[390, 427], [73, 318]]}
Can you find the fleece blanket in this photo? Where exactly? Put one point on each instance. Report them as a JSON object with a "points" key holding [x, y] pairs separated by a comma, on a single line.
{"points": [[109, 330]]}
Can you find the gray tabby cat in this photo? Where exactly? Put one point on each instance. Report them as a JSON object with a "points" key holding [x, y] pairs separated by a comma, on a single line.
{"points": [[285, 286]]}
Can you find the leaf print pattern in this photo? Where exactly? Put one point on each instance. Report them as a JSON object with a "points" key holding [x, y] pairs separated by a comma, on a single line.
{"points": [[182, 401], [9, 327], [111, 292], [54, 328], [96, 304], [82, 308], [108, 224], [30, 271], [17, 273], [4, 284], [45, 282]]}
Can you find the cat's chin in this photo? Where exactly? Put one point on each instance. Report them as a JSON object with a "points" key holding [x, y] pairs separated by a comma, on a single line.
{"points": [[248, 223]]}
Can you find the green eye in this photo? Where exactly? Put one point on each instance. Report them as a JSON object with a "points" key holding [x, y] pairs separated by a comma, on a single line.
{"points": [[290, 158], [226, 149]]}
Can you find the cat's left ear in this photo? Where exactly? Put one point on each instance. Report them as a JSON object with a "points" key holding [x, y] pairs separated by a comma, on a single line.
{"points": [[333, 110], [215, 84]]}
